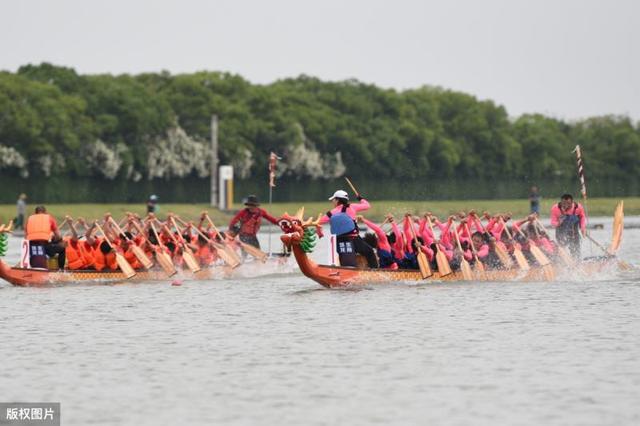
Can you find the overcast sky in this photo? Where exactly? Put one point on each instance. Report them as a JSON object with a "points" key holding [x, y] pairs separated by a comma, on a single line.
{"points": [[566, 58]]}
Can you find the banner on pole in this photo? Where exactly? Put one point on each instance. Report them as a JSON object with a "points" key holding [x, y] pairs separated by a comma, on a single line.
{"points": [[273, 164]]}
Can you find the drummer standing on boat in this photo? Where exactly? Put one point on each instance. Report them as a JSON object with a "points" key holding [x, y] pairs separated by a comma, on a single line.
{"points": [[247, 222], [570, 221], [342, 220]]}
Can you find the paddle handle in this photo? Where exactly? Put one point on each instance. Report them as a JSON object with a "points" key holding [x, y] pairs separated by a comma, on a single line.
{"points": [[473, 248], [104, 235], [353, 188], [455, 232]]}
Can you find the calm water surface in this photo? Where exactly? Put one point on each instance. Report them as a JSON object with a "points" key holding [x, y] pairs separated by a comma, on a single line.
{"points": [[281, 350]]}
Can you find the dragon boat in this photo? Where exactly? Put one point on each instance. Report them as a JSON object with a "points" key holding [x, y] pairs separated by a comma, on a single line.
{"points": [[300, 237], [34, 277]]}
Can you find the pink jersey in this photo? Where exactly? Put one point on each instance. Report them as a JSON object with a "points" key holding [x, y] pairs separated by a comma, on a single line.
{"points": [[383, 242], [576, 209], [351, 210]]}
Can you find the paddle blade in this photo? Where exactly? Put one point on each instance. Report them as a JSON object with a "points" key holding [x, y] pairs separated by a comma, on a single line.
{"points": [[541, 258], [502, 254], [443, 264], [166, 263], [480, 271], [225, 256], [618, 227], [255, 252], [566, 257], [520, 259], [423, 264], [190, 260], [549, 273], [467, 275], [124, 266], [142, 257]]}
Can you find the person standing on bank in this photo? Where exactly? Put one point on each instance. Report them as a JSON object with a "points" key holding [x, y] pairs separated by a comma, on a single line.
{"points": [[534, 200], [342, 219], [569, 220], [21, 210], [152, 204], [247, 222], [44, 238]]}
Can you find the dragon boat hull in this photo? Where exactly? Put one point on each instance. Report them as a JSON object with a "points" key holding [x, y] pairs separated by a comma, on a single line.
{"points": [[27, 277], [332, 276]]}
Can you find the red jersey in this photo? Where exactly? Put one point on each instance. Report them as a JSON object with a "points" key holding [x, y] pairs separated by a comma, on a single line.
{"points": [[250, 221]]}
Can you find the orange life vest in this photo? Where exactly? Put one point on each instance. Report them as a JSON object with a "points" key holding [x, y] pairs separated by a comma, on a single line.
{"points": [[39, 227], [73, 253], [132, 259], [205, 256], [101, 260]]}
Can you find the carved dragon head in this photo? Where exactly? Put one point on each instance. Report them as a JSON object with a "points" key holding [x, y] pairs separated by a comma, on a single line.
{"points": [[294, 226]]}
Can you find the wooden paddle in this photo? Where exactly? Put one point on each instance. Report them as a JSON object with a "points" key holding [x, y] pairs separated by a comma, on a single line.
{"points": [[223, 251], [444, 268], [501, 252], [562, 251], [517, 252], [124, 266], [464, 264], [187, 254], [541, 258], [479, 266], [137, 251], [423, 262], [163, 258], [353, 188], [253, 251]]}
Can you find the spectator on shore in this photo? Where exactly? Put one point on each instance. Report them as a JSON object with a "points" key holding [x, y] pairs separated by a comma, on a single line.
{"points": [[21, 208], [534, 200], [152, 204]]}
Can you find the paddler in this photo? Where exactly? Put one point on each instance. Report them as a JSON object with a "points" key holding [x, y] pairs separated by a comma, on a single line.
{"points": [[247, 221], [44, 238], [342, 220], [569, 220]]}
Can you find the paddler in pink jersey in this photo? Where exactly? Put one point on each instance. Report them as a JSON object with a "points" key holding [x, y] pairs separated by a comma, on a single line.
{"points": [[342, 219]]}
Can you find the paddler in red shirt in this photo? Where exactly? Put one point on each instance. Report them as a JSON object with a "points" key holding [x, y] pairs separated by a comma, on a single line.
{"points": [[249, 220]]}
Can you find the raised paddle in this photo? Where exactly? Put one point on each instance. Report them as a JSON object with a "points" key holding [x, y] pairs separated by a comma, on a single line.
{"points": [[444, 268], [353, 188], [541, 258], [137, 250], [423, 262], [187, 253], [501, 252], [221, 249], [464, 264], [517, 252], [253, 251], [479, 266], [163, 258], [124, 266]]}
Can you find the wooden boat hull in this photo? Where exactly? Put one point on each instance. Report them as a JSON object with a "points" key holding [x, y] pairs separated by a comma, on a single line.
{"points": [[40, 277]]}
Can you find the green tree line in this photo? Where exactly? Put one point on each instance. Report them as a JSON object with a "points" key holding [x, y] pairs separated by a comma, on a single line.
{"points": [[54, 121]]}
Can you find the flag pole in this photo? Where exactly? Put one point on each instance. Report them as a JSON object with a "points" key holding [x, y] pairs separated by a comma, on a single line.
{"points": [[583, 190], [273, 161], [270, 209]]}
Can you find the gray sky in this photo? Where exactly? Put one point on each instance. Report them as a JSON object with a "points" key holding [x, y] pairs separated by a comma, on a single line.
{"points": [[565, 58]]}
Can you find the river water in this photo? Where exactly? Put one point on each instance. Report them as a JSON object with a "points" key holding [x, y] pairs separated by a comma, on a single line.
{"points": [[281, 350]]}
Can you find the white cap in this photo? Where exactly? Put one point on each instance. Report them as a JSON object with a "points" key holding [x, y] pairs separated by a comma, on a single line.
{"points": [[339, 194]]}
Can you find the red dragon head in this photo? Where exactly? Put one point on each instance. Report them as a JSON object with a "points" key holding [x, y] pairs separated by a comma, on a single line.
{"points": [[293, 227]]}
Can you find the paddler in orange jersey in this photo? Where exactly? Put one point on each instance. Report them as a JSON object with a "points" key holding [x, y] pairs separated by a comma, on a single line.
{"points": [[103, 255], [44, 238], [78, 253], [126, 244]]}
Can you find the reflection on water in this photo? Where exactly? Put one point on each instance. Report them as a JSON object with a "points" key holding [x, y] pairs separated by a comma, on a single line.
{"points": [[283, 350]]}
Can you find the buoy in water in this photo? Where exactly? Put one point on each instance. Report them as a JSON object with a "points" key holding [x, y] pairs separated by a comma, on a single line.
{"points": [[176, 283]]}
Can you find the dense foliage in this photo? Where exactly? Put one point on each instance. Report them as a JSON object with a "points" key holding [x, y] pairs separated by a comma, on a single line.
{"points": [[54, 121]]}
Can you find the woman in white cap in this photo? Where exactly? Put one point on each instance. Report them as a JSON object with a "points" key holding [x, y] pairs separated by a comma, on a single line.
{"points": [[342, 219]]}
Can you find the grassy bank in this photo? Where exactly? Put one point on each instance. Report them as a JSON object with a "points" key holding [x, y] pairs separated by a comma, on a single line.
{"points": [[596, 206]]}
